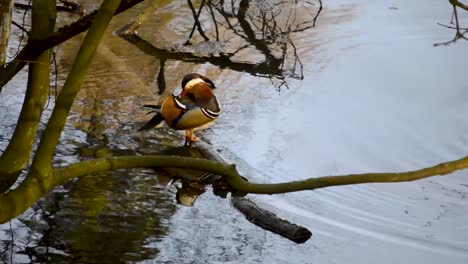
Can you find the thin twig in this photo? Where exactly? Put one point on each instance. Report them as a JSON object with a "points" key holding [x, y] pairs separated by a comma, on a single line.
{"points": [[196, 24], [12, 242], [20, 27], [447, 26]]}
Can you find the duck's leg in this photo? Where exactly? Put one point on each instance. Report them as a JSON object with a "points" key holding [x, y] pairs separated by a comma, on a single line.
{"points": [[190, 138], [187, 138]]}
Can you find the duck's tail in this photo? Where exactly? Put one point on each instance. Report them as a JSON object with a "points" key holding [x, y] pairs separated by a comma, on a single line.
{"points": [[156, 120]]}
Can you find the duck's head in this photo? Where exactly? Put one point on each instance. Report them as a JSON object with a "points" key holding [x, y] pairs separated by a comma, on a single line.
{"points": [[198, 92], [193, 78]]}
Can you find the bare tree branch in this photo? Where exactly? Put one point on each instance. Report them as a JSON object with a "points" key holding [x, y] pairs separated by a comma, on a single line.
{"points": [[66, 7], [197, 24], [20, 27], [34, 47]]}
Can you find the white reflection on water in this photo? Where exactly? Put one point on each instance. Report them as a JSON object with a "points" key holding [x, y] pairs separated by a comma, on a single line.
{"points": [[377, 96]]}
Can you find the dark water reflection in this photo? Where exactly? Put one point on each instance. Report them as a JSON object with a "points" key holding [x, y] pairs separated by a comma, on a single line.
{"points": [[101, 218], [291, 93]]}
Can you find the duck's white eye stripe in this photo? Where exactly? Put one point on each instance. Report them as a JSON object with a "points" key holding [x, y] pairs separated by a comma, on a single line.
{"points": [[179, 104], [209, 114]]}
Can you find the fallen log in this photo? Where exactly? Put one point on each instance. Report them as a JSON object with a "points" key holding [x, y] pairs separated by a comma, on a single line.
{"points": [[269, 221]]}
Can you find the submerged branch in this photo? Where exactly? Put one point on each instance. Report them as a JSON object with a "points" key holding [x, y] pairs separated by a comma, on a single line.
{"points": [[270, 222]]}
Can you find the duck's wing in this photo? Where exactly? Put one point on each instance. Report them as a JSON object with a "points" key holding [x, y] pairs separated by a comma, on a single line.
{"points": [[152, 106], [185, 103], [194, 114], [210, 107]]}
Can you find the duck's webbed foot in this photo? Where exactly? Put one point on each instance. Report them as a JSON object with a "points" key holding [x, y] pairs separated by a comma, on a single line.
{"points": [[190, 138]]}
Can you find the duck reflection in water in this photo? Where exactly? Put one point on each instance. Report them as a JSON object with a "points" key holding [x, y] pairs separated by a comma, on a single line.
{"points": [[196, 107]]}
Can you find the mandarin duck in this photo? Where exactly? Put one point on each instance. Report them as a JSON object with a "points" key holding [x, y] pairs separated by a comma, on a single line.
{"points": [[196, 107]]}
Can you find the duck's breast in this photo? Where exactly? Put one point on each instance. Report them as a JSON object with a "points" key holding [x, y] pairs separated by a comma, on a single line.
{"points": [[170, 110]]}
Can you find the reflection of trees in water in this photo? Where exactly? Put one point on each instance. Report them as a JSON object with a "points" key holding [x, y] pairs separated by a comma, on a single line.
{"points": [[70, 222], [455, 23], [267, 26], [99, 219], [247, 36]]}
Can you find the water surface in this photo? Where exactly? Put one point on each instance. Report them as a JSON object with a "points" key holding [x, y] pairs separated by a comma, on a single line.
{"points": [[370, 94]]}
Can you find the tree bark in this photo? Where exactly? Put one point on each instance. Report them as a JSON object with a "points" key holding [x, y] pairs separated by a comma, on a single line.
{"points": [[42, 161], [16, 155], [41, 177], [269, 221], [6, 7]]}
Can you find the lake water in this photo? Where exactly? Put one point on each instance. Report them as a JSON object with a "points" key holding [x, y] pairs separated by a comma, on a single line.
{"points": [[363, 91]]}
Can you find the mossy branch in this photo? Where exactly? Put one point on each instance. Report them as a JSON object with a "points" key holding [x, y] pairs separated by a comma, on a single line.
{"points": [[16, 155], [16, 201], [41, 178], [231, 175], [50, 137]]}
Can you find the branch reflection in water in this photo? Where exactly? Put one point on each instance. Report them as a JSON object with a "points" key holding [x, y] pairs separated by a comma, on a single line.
{"points": [[459, 31], [75, 222], [260, 29]]}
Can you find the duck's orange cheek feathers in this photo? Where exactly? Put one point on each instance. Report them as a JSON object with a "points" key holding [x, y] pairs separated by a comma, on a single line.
{"points": [[170, 111]]}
